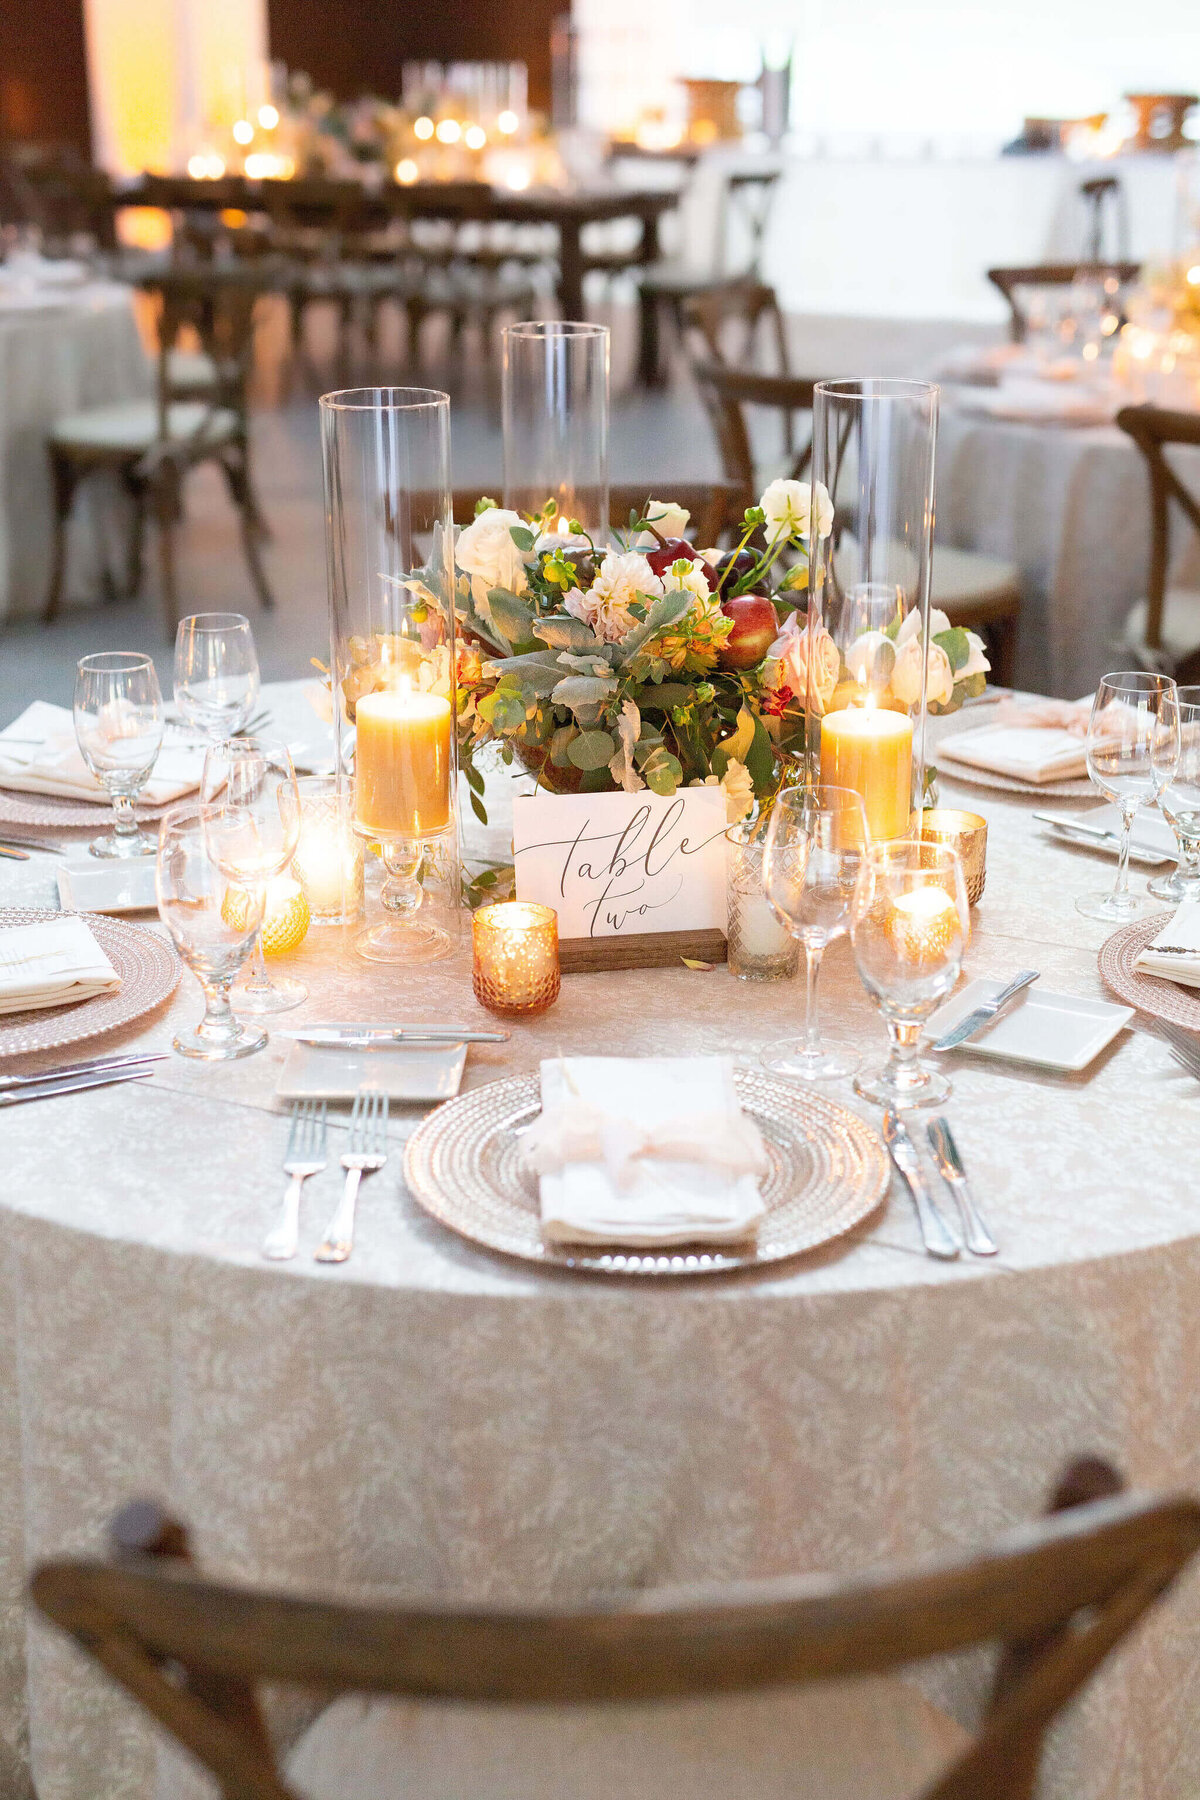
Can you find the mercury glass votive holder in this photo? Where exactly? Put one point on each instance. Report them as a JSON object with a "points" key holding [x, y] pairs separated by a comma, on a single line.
{"points": [[329, 856], [759, 948], [965, 832], [516, 970]]}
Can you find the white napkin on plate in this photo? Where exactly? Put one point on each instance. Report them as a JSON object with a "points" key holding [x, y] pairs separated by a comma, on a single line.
{"points": [[51, 964], [39, 755], [646, 1152], [1182, 932]]}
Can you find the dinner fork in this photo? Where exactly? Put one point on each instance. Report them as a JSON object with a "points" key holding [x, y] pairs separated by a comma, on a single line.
{"points": [[365, 1152], [304, 1156]]}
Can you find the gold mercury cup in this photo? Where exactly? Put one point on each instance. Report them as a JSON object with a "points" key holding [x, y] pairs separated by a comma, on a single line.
{"points": [[965, 832], [516, 970]]}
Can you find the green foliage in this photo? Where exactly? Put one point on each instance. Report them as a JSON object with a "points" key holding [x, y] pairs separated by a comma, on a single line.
{"points": [[484, 504], [956, 645], [522, 537], [662, 772], [591, 750], [512, 618]]}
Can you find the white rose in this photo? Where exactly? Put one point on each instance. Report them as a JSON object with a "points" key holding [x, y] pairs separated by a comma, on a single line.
{"points": [[485, 551], [977, 662], [911, 623], [906, 676], [622, 581], [788, 508], [737, 787], [689, 577], [668, 519]]}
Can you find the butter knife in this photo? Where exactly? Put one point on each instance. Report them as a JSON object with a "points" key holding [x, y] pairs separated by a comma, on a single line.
{"points": [[1106, 839], [936, 1235], [366, 1037], [93, 1066], [70, 1084], [979, 1239], [987, 1009]]}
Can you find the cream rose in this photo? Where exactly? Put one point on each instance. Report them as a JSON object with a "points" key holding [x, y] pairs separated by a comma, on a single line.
{"points": [[688, 577], [789, 506], [792, 649], [906, 676], [668, 519], [485, 551], [623, 581]]}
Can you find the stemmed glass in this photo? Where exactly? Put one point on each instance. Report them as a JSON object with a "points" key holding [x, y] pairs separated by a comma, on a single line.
{"points": [[814, 850], [250, 804], [216, 673], [213, 937], [1179, 804], [119, 728], [1132, 754], [909, 924]]}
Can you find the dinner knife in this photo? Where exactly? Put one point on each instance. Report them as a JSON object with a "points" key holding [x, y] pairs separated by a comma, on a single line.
{"points": [[979, 1239], [93, 1065], [987, 1010], [383, 1037], [23, 840], [1099, 834], [13, 854], [936, 1235], [71, 1084]]}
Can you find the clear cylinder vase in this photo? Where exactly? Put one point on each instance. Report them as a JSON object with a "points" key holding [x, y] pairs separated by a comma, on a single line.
{"points": [[555, 417], [868, 657], [386, 454]]}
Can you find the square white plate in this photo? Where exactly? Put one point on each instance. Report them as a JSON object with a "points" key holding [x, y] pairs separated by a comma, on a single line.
{"points": [[108, 887], [1152, 841], [315, 1072], [1051, 1031]]}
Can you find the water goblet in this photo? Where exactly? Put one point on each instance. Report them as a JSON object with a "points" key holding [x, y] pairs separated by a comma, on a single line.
{"points": [[909, 924], [815, 845], [214, 927], [1132, 755], [216, 673], [1179, 804], [250, 804], [119, 728]]}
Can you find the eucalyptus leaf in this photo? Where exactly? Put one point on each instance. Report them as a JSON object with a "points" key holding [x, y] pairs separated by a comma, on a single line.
{"points": [[663, 772], [956, 644], [478, 808], [560, 745], [592, 750], [521, 536], [574, 691]]}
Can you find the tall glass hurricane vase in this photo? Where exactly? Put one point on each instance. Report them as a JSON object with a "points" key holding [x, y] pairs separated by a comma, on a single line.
{"points": [[555, 406], [392, 653], [869, 664]]}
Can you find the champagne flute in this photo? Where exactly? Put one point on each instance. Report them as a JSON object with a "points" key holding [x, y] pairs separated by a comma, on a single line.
{"points": [[216, 673], [909, 923], [814, 850], [214, 927], [119, 728], [1179, 804], [250, 805], [1132, 755]]}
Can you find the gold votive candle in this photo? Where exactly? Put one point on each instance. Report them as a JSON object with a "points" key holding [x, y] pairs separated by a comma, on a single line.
{"points": [[516, 957], [329, 855], [965, 832]]}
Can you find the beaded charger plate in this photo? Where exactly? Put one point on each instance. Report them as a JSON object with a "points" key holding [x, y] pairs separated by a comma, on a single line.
{"points": [[61, 814], [1079, 787], [149, 971], [1161, 998], [828, 1172]]}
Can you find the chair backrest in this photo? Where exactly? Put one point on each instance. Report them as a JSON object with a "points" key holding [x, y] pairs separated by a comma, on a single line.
{"points": [[1057, 1596], [217, 305], [69, 200], [747, 197], [728, 393], [1104, 198], [1152, 428], [729, 323], [716, 507], [1040, 275]]}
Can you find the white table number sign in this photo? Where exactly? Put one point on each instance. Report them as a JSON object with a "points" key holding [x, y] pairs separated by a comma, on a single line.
{"points": [[624, 865]]}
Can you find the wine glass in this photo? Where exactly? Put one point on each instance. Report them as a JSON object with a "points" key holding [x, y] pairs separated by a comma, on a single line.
{"points": [[1132, 755], [251, 809], [1179, 804], [814, 850], [119, 728], [909, 923], [216, 673], [214, 926]]}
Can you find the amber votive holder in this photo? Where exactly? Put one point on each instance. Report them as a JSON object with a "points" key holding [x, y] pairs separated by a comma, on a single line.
{"points": [[965, 832], [516, 970]]}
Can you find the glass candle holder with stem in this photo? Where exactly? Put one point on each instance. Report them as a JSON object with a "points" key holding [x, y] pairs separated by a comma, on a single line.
{"points": [[216, 673], [816, 840], [1179, 804], [118, 713], [250, 805], [554, 406], [214, 927], [1133, 748], [393, 654], [909, 926]]}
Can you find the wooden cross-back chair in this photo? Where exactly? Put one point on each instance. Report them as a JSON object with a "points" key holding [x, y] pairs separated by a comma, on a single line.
{"points": [[1039, 275], [1163, 630], [1056, 1596], [716, 507]]}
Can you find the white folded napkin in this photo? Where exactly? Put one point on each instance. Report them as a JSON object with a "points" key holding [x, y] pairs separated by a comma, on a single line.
{"points": [[646, 1152], [1182, 932], [1033, 753], [39, 755], [51, 964]]}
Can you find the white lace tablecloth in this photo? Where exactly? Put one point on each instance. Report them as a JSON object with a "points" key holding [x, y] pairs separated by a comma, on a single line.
{"points": [[80, 348], [429, 1417]]}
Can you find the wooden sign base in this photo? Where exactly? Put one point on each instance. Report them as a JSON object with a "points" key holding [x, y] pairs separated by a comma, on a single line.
{"points": [[640, 950]]}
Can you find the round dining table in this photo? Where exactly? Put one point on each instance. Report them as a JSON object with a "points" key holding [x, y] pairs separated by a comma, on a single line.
{"points": [[430, 1417]]}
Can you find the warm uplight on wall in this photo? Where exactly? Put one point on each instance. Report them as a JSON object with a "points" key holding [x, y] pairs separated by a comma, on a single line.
{"points": [[474, 137], [1193, 275], [243, 132], [264, 165], [423, 128], [406, 171], [449, 131], [206, 165], [507, 124], [268, 117], [517, 179]]}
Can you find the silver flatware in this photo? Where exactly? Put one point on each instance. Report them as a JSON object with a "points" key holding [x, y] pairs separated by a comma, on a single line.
{"points": [[987, 1010], [367, 1037], [1099, 834], [14, 855], [365, 1152], [936, 1235], [72, 1084], [304, 1156], [22, 840], [978, 1238], [1191, 1064], [92, 1065]]}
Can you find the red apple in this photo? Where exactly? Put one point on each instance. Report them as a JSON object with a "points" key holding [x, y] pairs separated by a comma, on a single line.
{"points": [[755, 628], [672, 550]]}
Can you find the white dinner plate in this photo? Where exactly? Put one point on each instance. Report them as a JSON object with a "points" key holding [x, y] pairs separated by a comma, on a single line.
{"points": [[91, 885], [1152, 842], [428, 1072], [1051, 1031]]}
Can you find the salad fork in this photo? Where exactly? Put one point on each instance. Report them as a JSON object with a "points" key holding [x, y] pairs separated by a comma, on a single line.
{"points": [[365, 1152], [305, 1155]]}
